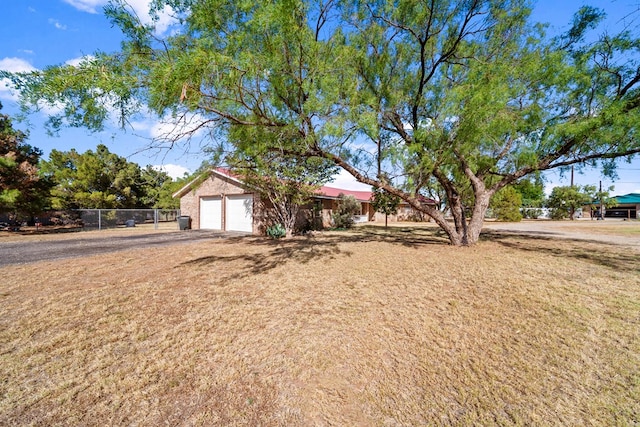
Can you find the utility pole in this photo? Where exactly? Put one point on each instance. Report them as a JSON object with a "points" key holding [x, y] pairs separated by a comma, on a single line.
{"points": [[572, 175], [601, 203], [572, 210]]}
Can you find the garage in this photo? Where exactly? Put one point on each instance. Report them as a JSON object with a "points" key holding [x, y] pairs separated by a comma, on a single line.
{"points": [[211, 213], [239, 212]]}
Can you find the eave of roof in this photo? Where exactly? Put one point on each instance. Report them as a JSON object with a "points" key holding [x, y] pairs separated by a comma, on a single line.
{"points": [[220, 172], [334, 193]]}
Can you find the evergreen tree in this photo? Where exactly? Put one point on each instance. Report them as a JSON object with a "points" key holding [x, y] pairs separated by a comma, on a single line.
{"points": [[94, 180], [22, 189], [506, 205]]}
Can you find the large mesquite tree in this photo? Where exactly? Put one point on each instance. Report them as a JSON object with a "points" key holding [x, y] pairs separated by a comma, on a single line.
{"points": [[469, 96], [477, 98]]}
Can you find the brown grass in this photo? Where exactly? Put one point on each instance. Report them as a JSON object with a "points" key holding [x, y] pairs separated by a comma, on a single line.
{"points": [[620, 228], [367, 328]]}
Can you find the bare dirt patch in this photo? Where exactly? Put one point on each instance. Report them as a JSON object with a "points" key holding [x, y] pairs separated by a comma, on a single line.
{"points": [[370, 327]]}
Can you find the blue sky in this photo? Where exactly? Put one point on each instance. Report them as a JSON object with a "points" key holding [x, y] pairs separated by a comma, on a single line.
{"points": [[37, 33]]}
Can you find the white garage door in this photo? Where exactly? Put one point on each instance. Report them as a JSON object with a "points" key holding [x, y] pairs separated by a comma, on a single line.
{"points": [[211, 213], [239, 213]]}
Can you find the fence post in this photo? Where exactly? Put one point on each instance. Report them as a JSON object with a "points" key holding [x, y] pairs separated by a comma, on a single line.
{"points": [[155, 219], [99, 219]]}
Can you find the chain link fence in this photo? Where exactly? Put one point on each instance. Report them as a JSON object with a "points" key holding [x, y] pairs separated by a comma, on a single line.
{"points": [[104, 219]]}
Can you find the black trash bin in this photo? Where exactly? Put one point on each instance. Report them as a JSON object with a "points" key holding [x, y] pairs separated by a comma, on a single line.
{"points": [[184, 222]]}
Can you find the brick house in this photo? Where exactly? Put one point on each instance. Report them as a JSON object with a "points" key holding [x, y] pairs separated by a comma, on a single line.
{"points": [[219, 200]]}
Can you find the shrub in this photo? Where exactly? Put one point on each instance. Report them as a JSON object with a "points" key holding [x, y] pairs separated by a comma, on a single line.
{"points": [[506, 205], [348, 206], [276, 231], [559, 213], [532, 213]]}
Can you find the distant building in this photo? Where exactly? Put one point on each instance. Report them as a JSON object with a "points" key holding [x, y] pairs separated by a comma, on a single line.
{"points": [[628, 207]]}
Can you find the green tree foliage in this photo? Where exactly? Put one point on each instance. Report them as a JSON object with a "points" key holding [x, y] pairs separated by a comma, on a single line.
{"points": [[22, 189], [469, 95], [506, 204], [531, 190], [285, 183], [599, 198], [385, 202], [158, 189], [347, 208], [93, 180], [564, 201]]}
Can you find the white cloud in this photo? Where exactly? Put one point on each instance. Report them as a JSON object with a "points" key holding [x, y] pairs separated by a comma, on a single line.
{"points": [[77, 61], [345, 181], [57, 24], [185, 126], [174, 171], [90, 6], [50, 109], [139, 7], [141, 126], [7, 92], [14, 65]]}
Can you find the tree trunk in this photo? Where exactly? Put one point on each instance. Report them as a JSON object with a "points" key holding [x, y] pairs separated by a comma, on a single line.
{"points": [[460, 233], [463, 232], [285, 214], [289, 218], [455, 238], [477, 219]]}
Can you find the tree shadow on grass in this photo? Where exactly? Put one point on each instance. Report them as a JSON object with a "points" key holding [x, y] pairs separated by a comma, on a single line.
{"points": [[299, 251], [609, 255], [303, 249], [409, 236]]}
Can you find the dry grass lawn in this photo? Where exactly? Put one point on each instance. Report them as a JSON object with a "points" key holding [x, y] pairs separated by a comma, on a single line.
{"points": [[366, 328]]}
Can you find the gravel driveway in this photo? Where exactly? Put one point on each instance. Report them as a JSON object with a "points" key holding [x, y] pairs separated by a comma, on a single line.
{"points": [[46, 249], [594, 231]]}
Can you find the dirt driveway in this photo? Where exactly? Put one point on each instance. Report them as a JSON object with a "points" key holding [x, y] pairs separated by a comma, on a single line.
{"points": [[29, 249], [616, 232]]}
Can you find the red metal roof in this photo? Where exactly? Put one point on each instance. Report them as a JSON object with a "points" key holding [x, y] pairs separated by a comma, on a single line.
{"points": [[330, 192], [333, 193]]}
